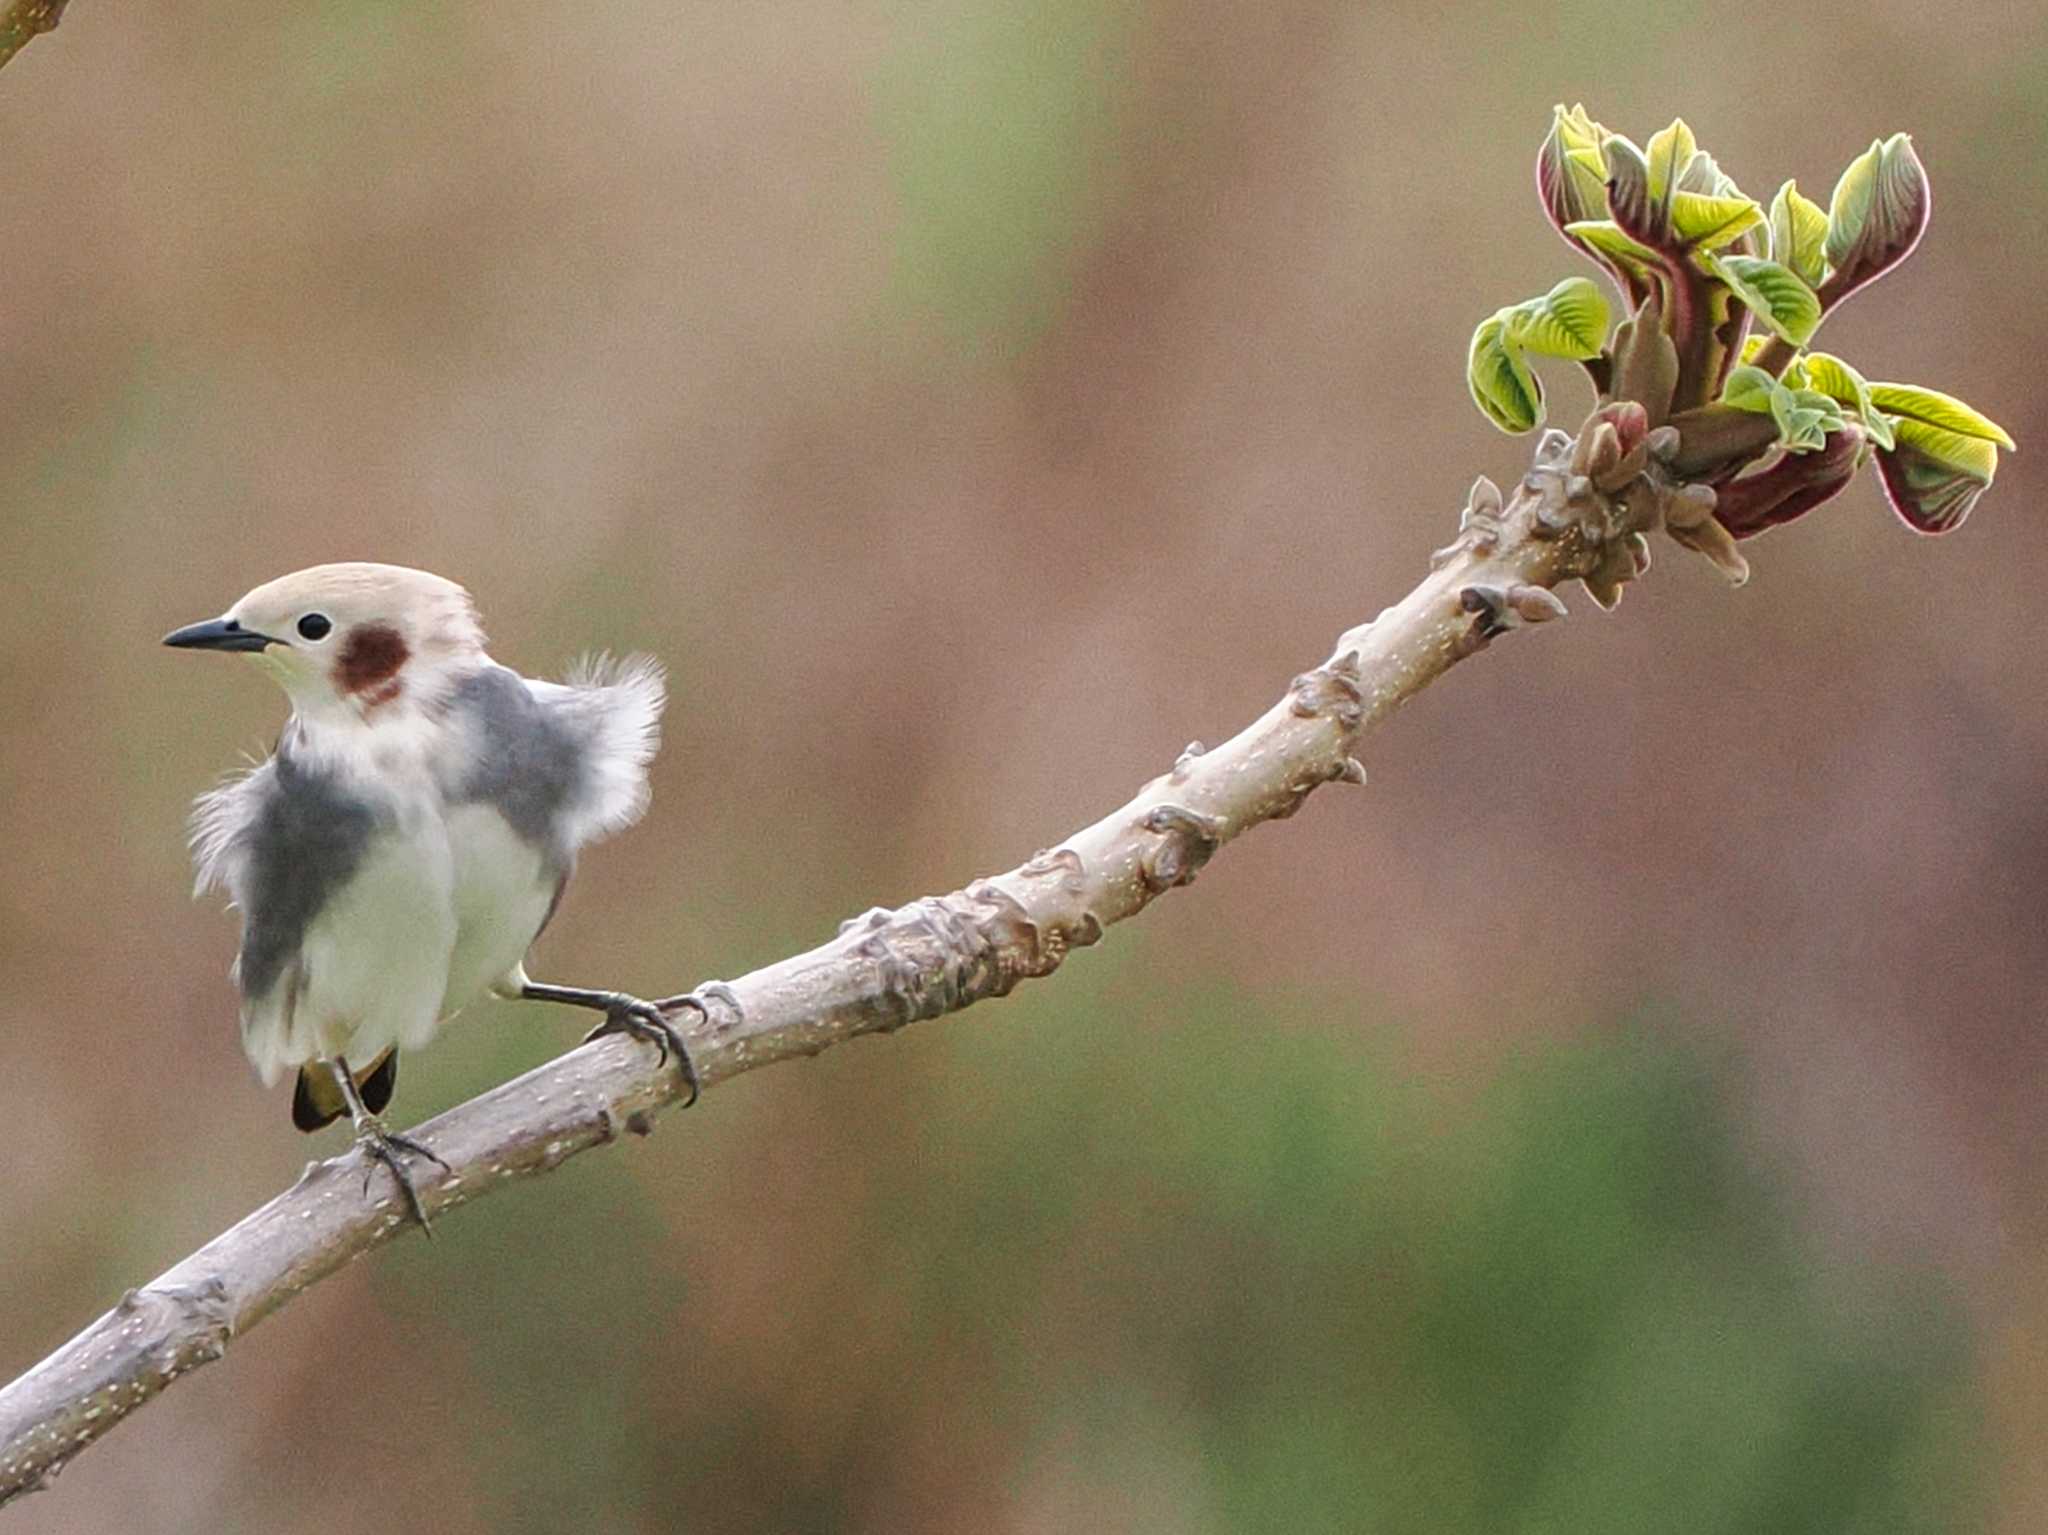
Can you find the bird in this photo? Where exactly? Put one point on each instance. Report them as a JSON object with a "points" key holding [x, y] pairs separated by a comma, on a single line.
{"points": [[411, 834]]}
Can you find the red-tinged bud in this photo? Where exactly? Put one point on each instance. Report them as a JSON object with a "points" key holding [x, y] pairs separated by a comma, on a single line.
{"points": [[1570, 176], [1790, 488], [1878, 214], [1930, 495]]}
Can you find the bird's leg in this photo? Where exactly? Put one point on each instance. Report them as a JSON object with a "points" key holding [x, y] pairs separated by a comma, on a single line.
{"points": [[627, 1015], [381, 1145]]}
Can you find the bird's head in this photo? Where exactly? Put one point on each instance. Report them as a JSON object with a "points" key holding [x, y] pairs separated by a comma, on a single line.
{"points": [[357, 638]]}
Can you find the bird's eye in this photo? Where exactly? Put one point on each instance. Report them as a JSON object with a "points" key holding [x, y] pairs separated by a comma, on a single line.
{"points": [[315, 626]]}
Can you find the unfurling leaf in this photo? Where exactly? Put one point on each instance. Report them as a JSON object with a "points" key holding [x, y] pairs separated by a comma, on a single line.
{"points": [[1570, 175], [1932, 408], [1773, 292], [1627, 259], [1498, 375], [1703, 175], [1749, 388], [1709, 223], [1669, 153], [1945, 456], [1642, 217], [1569, 321], [1806, 418], [1930, 494], [1799, 234], [1844, 385], [1877, 215]]}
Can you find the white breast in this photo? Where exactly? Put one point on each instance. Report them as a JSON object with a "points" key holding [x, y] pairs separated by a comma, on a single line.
{"points": [[374, 962], [503, 889]]}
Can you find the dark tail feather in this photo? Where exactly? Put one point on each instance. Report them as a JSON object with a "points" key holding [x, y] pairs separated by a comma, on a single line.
{"points": [[381, 1079], [317, 1102]]}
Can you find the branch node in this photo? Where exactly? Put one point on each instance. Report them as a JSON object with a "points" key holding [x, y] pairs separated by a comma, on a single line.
{"points": [[871, 920], [1018, 948], [1479, 524], [1064, 862], [1184, 763], [1331, 691], [897, 980], [1488, 606], [1187, 840]]}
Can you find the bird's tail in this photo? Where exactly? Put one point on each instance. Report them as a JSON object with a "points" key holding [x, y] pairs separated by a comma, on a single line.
{"points": [[317, 1100]]}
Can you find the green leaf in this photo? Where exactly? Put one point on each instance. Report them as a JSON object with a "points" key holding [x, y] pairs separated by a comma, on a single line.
{"points": [[1931, 408], [1498, 375], [1804, 417], [1670, 153], [1568, 321], [1604, 237], [1799, 233], [1749, 389], [1877, 215], [1708, 223], [1775, 292], [1843, 384]]}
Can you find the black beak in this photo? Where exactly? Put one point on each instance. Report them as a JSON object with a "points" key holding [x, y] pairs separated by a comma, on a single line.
{"points": [[217, 634]]}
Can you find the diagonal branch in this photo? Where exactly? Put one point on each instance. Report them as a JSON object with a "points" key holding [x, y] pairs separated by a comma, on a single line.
{"points": [[22, 20], [1577, 514]]}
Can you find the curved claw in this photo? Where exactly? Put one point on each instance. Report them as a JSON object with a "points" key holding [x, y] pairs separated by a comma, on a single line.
{"points": [[381, 1145], [716, 991], [646, 1021]]}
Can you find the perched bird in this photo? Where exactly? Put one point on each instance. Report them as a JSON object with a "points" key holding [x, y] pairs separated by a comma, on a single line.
{"points": [[411, 835]]}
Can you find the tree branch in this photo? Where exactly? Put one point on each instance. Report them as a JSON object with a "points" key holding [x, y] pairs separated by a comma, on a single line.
{"points": [[21, 20], [1579, 513]]}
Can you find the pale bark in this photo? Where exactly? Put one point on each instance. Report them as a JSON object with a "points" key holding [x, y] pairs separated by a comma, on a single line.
{"points": [[885, 969]]}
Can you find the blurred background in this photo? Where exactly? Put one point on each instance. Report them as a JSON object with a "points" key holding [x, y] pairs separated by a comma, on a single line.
{"points": [[1625, 1114]]}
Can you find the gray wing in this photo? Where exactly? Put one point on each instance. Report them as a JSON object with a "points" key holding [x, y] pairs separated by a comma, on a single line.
{"points": [[563, 763], [282, 840]]}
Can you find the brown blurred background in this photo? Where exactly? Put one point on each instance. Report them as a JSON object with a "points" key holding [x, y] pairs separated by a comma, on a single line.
{"points": [[1627, 1113]]}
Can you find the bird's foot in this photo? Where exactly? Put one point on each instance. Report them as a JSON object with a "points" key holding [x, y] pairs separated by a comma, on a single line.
{"points": [[647, 1021], [701, 999], [387, 1146]]}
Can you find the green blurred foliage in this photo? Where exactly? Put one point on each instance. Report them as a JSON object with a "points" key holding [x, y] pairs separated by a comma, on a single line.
{"points": [[1001, 126], [1229, 1271]]}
